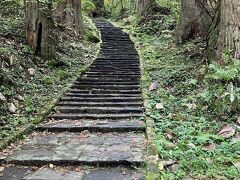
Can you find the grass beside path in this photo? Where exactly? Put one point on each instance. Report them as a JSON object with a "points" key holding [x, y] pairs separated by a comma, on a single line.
{"points": [[188, 139]]}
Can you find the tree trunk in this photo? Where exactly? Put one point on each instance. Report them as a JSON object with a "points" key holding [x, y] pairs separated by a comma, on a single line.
{"points": [[229, 28], [143, 6], [40, 28], [100, 8], [69, 13], [193, 19]]}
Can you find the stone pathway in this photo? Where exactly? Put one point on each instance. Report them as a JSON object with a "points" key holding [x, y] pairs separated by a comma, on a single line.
{"points": [[96, 124]]}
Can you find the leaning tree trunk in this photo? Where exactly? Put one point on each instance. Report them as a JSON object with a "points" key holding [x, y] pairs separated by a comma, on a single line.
{"points": [[40, 28], [143, 6], [229, 28], [193, 20], [69, 13]]}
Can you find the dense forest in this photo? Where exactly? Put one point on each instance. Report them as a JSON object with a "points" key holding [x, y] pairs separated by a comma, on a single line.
{"points": [[190, 74]]}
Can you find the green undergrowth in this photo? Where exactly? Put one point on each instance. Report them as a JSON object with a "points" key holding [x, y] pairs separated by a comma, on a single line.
{"points": [[27, 81], [194, 109]]}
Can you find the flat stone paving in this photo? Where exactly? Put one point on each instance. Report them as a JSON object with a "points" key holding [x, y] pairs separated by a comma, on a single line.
{"points": [[82, 148], [93, 125], [59, 173], [50, 174], [96, 126]]}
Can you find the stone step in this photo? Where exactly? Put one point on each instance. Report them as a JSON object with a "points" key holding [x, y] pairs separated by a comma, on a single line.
{"points": [[119, 47], [100, 91], [118, 43], [119, 71], [127, 49], [121, 41], [130, 58], [112, 77], [117, 56], [117, 60], [101, 95], [110, 53], [80, 149], [76, 94], [109, 87], [122, 67], [116, 39], [116, 73], [104, 44], [119, 35], [114, 70], [116, 46], [116, 63], [111, 80], [122, 36], [69, 173], [119, 51], [84, 82], [100, 104], [97, 110], [93, 126], [102, 99], [94, 116]]}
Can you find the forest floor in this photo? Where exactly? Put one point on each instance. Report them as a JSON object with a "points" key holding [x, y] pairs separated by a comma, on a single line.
{"points": [[29, 86], [96, 131], [196, 120], [196, 138]]}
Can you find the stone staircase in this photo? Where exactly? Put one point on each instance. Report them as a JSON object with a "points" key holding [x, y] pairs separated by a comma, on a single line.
{"points": [[97, 123]]}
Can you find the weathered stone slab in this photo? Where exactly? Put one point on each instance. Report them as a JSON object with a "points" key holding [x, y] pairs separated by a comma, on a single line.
{"points": [[51, 174], [84, 148], [15, 173], [75, 116], [93, 125], [108, 174]]}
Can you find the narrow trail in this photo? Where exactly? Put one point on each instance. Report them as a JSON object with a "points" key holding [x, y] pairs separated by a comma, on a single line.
{"points": [[96, 123]]}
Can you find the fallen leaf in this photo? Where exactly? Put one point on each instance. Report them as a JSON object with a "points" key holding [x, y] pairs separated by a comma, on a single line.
{"points": [[226, 131], [170, 135], [191, 106], [159, 106], [160, 166], [20, 98], [2, 97], [237, 165], [191, 145], [208, 147], [11, 62], [1, 170], [238, 121], [168, 163], [153, 86], [146, 102], [31, 71], [12, 108]]}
